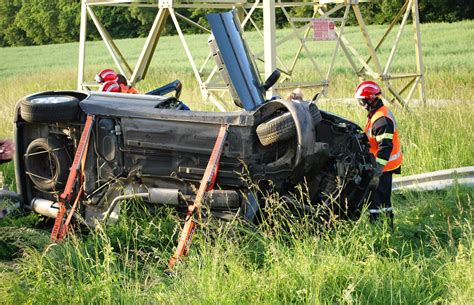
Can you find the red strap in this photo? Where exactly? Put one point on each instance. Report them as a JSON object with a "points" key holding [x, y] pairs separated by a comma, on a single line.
{"points": [[58, 221], [66, 195], [207, 184], [65, 226], [60, 229]]}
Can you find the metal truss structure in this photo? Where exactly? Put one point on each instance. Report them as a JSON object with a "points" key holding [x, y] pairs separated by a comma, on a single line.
{"points": [[300, 28]]}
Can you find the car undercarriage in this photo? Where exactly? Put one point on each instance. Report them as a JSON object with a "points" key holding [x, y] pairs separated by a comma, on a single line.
{"points": [[146, 146]]}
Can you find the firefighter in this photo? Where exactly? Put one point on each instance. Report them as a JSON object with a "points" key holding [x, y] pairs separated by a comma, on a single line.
{"points": [[105, 76], [124, 87], [110, 86], [7, 149], [382, 131], [112, 82]]}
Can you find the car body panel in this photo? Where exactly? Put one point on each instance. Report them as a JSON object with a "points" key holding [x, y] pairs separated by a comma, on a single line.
{"points": [[244, 78]]}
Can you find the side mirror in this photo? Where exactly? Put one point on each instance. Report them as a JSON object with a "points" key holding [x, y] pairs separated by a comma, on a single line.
{"points": [[271, 80]]}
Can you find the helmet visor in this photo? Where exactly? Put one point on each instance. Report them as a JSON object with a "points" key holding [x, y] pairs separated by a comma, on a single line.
{"points": [[363, 101], [98, 79]]}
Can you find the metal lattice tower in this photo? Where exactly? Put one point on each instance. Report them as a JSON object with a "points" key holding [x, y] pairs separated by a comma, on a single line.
{"points": [[365, 68]]}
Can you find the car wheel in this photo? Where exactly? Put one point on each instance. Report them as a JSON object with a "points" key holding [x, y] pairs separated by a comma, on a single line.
{"points": [[49, 108], [282, 127], [47, 163]]}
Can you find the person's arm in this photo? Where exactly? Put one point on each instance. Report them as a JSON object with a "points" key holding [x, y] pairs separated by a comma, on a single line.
{"points": [[383, 130]]}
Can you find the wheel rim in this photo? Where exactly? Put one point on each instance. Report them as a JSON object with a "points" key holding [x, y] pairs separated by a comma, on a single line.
{"points": [[50, 100]]}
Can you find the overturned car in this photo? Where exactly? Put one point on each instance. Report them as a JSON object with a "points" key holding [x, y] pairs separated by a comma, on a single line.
{"points": [[145, 145]]}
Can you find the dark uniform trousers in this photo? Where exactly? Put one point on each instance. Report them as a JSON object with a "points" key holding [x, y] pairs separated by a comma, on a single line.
{"points": [[380, 201]]}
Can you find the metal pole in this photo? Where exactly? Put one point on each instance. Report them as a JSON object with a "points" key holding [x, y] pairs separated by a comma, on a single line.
{"points": [[397, 40], [338, 42], [117, 56], [82, 45], [269, 40], [144, 60], [419, 54], [370, 47]]}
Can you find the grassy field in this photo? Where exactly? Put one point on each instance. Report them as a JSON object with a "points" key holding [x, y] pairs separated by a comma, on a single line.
{"points": [[427, 259]]}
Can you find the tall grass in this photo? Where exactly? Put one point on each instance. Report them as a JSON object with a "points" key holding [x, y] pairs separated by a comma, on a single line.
{"points": [[427, 259]]}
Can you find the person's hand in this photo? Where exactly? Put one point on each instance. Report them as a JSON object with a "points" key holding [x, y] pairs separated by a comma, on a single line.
{"points": [[6, 150], [374, 182], [378, 171]]}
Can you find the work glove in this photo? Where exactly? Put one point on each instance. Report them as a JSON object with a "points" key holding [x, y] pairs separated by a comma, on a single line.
{"points": [[378, 171]]}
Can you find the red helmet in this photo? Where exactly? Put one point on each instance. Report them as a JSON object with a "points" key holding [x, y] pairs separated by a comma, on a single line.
{"points": [[368, 90], [110, 86], [106, 75]]}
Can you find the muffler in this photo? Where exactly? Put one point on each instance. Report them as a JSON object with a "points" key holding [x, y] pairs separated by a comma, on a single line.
{"points": [[164, 196], [45, 207]]}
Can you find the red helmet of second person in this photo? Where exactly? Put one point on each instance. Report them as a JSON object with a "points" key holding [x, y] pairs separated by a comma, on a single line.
{"points": [[106, 75], [368, 90], [110, 86]]}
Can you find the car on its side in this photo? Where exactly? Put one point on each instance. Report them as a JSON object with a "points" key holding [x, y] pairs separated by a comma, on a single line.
{"points": [[147, 145]]}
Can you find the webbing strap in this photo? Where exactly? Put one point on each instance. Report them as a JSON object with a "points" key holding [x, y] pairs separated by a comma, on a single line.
{"points": [[207, 184], [58, 221], [71, 179], [65, 226], [59, 230]]}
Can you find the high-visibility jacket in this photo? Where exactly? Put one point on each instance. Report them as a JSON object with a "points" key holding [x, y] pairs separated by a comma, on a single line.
{"points": [[127, 89], [396, 157]]}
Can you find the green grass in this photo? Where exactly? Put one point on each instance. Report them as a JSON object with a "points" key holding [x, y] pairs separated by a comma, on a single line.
{"points": [[427, 259]]}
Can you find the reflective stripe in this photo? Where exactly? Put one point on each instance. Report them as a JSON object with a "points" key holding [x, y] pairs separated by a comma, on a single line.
{"points": [[384, 136], [376, 211], [392, 117], [112, 87], [389, 115], [395, 156], [381, 161]]}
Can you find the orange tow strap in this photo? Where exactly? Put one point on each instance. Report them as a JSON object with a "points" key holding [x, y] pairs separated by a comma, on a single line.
{"points": [[60, 229], [207, 184]]}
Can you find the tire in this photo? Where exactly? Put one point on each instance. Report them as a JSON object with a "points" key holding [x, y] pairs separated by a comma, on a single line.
{"points": [[49, 108], [47, 163], [282, 127]]}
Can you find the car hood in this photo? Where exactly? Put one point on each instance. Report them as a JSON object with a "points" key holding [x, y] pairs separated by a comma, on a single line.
{"points": [[234, 60]]}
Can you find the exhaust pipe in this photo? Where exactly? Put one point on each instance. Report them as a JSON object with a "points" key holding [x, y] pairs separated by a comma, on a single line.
{"points": [[164, 196], [45, 207]]}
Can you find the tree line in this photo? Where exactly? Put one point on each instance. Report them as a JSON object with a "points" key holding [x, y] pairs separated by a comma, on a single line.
{"points": [[37, 22]]}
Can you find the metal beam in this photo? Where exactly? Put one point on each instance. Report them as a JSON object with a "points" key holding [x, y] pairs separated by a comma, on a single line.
{"points": [[368, 41], [437, 180], [341, 32], [146, 55], [397, 40], [271, 58], [82, 46], [117, 56], [269, 21], [389, 29], [419, 57]]}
